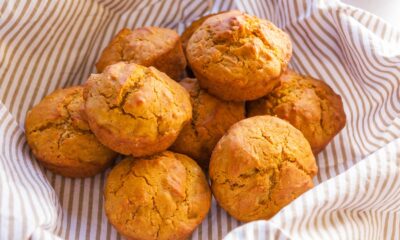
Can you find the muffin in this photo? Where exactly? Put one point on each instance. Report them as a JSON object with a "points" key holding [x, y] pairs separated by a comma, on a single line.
{"points": [[60, 138], [234, 49], [261, 165], [164, 196], [134, 109], [192, 28], [211, 119], [147, 46], [308, 104]]}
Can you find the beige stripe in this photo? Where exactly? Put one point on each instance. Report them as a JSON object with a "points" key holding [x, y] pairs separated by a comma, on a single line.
{"points": [[2, 10], [10, 201], [220, 6], [365, 139], [74, 45], [12, 39], [99, 214], [24, 205], [172, 23], [83, 24], [80, 203], [17, 170], [133, 9], [267, 8], [90, 207], [50, 50], [10, 16], [209, 228], [219, 223], [68, 207], [81, 74], [15, 63], [386, 222], [375, 64], [17, 173], [158, 14], [64, 201]]}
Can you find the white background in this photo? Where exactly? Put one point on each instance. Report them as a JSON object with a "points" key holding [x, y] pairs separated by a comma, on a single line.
{"points": [[386, 9]]}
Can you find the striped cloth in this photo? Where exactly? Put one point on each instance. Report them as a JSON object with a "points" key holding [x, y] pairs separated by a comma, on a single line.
{"points": [[45, 45]]}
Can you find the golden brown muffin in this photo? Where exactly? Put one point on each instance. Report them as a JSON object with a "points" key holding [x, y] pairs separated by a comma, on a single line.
{"points": [[238, 57], [164, 196], [212, 117], [261, 165], [136, 110], [308, 104], [147, 46], [192, 28], [60, 137]]}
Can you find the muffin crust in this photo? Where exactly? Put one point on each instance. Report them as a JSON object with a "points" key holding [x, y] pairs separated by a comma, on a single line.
{"points": [[261, 165], [308, 104], [212, 117], [240, 51], [147, 46], [164, 196], [136, 110], [60, 138]]}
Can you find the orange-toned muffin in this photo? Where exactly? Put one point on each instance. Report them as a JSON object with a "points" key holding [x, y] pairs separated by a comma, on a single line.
{"points": [[261, 165], [60, 138], [134, 109], [192, 28], [238, 57], [147, 46], [165, 196], [308, 104], [212, 117]]}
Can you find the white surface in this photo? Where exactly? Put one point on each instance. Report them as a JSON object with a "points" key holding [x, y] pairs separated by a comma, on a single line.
{"points": [[386, 9]]}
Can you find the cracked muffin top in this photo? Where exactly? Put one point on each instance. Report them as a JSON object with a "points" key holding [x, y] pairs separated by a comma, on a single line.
{"points": [[308, 104], [134, 109], [147, 46], [164, 196], [240, 51], [212, 117], [261, 165], [60, 137], [192, 28]]}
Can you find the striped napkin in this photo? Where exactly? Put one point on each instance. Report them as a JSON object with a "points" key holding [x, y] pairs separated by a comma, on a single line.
{"points": [[45, 45]]}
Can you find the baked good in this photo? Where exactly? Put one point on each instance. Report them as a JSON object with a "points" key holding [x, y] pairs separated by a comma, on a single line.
{"points": [[192, 28], [164, 196], [240, 51], [134, 109], [261, 165], [308, 104], [147, 46], [60, 138], [212, 117]]}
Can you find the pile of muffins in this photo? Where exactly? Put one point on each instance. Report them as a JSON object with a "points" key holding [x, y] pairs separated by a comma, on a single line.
{"points": [[245, 119]]}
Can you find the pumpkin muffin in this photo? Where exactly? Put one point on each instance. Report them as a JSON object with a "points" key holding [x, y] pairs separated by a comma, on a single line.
{"points": [[165, 196], [238, 57], [308, 104], [261, 165], [147, 46], [60, 138], [212, 117], [134, 109]]}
